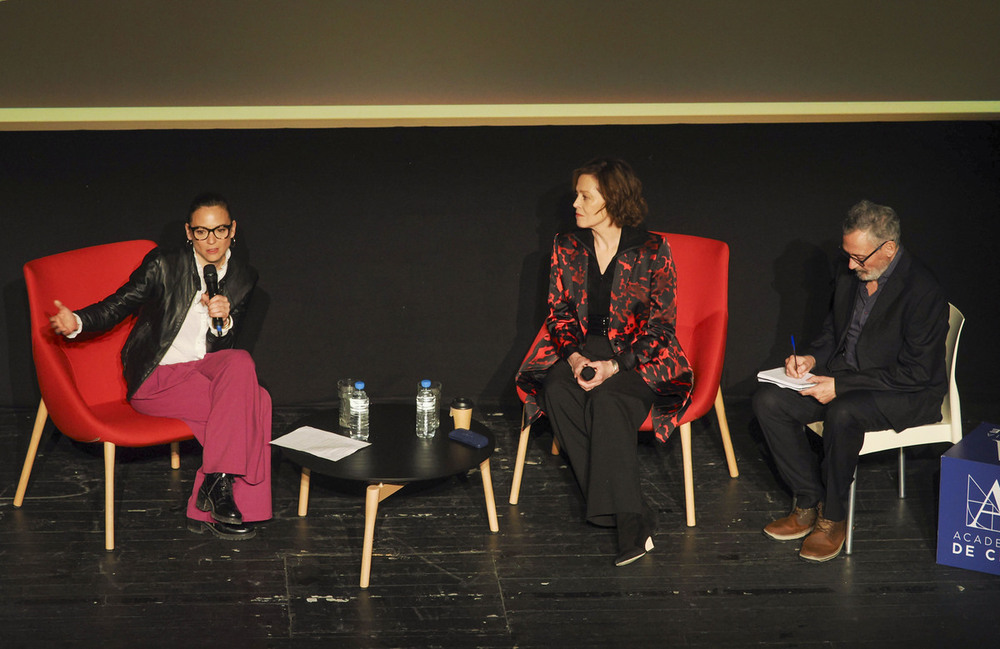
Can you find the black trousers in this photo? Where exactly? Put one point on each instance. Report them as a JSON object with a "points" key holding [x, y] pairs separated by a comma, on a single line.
{"points": [[783, 413], [597, 432]]}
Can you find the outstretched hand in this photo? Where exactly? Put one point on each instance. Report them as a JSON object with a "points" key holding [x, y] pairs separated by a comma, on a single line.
{"points": [[62, 322]]}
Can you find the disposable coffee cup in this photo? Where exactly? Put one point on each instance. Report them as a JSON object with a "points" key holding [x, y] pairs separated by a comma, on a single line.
{"points": [[461, 412]]}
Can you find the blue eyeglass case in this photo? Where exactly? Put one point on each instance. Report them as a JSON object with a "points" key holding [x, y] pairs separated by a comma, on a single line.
{"points": [[468, 437]]}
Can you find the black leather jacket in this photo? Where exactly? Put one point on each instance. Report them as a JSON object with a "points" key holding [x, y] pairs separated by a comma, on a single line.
{"points": [[161, 290]]}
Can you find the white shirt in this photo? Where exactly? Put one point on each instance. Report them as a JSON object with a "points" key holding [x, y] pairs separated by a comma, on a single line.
{"points": [[189, 344]]}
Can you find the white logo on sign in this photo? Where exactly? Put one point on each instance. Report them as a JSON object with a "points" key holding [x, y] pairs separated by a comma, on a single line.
{"points": [[994, 434], [982, 509]]}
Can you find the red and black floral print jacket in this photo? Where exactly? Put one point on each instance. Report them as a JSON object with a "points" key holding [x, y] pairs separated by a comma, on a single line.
{"points": [[641, 321]]}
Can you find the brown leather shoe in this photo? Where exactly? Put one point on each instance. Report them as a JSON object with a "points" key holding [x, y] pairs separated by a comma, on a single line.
{"points": [[794, 526], [825, 542]]}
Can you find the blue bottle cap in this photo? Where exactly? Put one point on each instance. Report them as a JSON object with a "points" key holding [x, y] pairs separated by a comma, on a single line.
{"points": [[359, 385], [425, 383]]}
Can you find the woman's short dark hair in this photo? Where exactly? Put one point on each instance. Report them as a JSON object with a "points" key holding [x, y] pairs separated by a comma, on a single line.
{"points": [[620, 187], [208, 199]]}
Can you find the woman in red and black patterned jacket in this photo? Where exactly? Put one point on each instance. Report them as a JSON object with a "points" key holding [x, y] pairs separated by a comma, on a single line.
{"points": [[610, 353]]}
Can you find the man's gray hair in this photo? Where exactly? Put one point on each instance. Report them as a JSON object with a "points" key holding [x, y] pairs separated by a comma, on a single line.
{"points": [[880, 221]]}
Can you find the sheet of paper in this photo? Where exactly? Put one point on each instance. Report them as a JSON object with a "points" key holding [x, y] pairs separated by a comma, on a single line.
{"points": [[321, 443], [778, 377]]}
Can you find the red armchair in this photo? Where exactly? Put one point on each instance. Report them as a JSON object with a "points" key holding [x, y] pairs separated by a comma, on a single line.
{"points": [[81, 381], [702, 321]]}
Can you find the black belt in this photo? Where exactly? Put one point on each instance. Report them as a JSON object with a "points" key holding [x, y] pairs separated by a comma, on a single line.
{"points": [[597, 325]]}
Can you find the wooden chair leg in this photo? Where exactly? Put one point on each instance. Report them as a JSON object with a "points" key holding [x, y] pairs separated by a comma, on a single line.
{"points": [[849, 543], [688, 472], [109, 496], [727, 440], [175, 455], [304, 492], [491, 505], [29, 458], [902, 473], [522, 451]]}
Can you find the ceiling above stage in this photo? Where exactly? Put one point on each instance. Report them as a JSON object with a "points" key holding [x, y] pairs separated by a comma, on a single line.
{"points": [[334, 53]]}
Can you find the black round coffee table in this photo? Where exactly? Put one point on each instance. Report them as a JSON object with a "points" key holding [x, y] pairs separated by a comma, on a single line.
{"points": [[395, 458]]}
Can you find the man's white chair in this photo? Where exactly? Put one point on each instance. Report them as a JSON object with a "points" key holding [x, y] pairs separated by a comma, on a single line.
{"points": [[949, 429]]}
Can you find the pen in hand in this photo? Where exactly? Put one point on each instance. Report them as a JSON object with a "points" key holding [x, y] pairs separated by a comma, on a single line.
{"points": [[795, 360]]}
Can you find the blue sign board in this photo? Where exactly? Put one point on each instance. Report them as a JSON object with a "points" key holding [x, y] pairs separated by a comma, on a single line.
{"points": [[969, 512]]}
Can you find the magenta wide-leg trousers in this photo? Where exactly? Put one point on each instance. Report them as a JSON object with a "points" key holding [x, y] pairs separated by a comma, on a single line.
{"points": [[229, 413]]}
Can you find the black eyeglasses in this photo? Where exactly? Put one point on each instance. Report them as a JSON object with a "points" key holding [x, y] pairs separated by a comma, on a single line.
{"points": [[220, 232], [859, 260]]}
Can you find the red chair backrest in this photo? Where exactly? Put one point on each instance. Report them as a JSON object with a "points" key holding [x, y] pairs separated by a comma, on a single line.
{"points": [[74, 376], [702, 312]]}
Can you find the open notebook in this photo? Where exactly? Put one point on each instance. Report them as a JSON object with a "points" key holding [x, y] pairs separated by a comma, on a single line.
{"points": [[778, 377]]}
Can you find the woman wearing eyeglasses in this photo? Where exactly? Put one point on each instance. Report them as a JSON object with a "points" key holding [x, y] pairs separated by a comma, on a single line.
{"points": [[180, 362], [610, 353]]}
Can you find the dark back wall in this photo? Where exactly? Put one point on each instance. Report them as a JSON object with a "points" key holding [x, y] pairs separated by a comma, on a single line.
{"points": [[398, 254]]}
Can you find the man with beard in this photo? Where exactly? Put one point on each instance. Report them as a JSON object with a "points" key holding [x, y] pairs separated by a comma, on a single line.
{"points": [[879, 363]]}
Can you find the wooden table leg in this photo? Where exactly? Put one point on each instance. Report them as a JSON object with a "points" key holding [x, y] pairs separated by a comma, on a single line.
{"points": [[375, 494], [304, 492], [491, 505]]}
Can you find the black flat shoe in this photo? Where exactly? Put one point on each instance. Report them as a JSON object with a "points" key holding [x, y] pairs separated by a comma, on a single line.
{"points": [[216, 496], [635, 538], [629, 555], [240, 532]]}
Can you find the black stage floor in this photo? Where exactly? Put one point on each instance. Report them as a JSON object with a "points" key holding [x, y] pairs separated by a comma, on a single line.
{"points": [[441, 579]]}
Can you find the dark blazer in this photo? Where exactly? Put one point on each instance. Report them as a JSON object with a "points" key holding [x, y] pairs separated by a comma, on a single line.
{"points": [[161, 289], [641, 325], [901, 350]]}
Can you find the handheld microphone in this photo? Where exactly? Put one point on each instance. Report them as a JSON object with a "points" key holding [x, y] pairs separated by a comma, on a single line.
{"points": [[212, 287], [588, 373]]}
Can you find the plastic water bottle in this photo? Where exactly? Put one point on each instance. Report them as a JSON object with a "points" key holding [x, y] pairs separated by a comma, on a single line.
{"points": [[427, 410], [344, 389], [359, 412]]}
